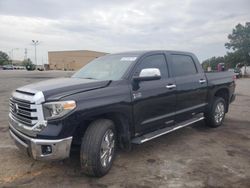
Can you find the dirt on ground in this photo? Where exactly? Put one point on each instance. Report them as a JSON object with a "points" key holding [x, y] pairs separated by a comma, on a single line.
{"points": [[195, 156]]}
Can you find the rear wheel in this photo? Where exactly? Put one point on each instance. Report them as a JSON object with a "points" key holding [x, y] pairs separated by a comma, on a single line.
{"points": [[98, 148], [215, 117]]}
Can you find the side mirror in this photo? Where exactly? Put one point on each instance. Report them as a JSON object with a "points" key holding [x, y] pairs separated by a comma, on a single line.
{"points": [[148, 74]]}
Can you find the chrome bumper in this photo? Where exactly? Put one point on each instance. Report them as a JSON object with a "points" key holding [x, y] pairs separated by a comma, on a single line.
{"points": [[58, 149]]}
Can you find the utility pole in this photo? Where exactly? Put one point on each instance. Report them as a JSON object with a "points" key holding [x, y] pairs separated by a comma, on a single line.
{"points": [[35, 43]]}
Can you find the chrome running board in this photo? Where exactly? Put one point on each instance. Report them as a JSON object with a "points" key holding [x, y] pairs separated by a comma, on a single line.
{"points": [[160, 132]]}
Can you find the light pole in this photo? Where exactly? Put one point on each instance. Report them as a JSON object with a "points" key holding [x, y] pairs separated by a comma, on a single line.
{"points": [[35, 43]]}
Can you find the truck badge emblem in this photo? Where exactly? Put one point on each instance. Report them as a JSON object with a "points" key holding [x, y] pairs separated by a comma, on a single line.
{"points": [[137, 95]]}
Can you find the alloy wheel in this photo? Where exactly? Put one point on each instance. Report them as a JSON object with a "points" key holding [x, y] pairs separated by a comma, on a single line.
{"points": [[219, 112], [107, 148]]}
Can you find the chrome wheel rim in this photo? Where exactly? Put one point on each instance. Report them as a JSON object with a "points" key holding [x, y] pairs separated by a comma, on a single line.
{"points": [[219, 112], [107, 148]]}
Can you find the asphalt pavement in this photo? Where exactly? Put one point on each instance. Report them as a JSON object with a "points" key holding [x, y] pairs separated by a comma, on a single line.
{"points": [[195, 156]]}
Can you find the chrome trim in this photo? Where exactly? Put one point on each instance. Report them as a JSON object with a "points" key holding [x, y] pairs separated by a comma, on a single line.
{"points": [[18, 140], [171, 86], [150, 72], [31, 131], [60, 147], [30, 122], [201, 81], [37, 98], [169, 130]]}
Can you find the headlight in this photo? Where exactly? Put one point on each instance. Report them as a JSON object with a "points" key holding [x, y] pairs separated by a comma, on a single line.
{"points": [[52, 110]]}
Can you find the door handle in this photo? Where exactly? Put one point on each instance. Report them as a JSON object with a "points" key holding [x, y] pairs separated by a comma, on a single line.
{"points": [[170, 86], [202, 81]]}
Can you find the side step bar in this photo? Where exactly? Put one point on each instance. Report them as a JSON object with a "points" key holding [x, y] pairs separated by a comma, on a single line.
{"points": [[160, 132]]}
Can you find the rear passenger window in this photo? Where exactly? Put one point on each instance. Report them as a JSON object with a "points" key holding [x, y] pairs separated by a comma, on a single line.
{"points": [[183, 65], [153, 61]]}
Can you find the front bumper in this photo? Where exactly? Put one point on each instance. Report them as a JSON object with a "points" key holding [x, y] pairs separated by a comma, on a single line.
{"points": [[41, 149]]}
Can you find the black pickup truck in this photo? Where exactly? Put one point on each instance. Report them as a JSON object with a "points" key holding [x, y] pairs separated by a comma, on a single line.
{"points": [[115, 101]]}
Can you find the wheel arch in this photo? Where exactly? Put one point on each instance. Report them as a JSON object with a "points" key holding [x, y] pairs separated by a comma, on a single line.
{"points": [[223, 93], [122, 122]]}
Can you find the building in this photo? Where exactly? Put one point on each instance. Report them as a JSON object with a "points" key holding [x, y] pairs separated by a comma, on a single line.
{"points": [[16, 62], [71, 60]]}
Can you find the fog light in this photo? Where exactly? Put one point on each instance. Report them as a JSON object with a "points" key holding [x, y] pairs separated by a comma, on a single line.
{"points": [[46, 149]]}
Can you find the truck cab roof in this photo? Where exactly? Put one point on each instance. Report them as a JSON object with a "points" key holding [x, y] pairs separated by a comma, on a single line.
{"points": [[145, 52]]}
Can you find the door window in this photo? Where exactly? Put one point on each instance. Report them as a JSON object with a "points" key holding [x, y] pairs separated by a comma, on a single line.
{"points": [[154, 61], [183, 65]]}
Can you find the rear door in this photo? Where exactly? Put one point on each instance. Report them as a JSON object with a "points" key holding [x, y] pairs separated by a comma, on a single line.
{"points": [[153, 103], [191, 86]]}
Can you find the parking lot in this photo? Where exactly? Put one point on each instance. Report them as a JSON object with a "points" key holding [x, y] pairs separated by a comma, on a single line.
{"points": [[195, 156]]}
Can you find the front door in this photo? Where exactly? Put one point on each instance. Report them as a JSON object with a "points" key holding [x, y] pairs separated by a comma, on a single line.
{"points": [[153, 103]]}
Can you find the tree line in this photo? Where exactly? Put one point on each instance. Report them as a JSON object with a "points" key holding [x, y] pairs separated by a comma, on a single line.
{"points": [[5, 60], [239, 46]]}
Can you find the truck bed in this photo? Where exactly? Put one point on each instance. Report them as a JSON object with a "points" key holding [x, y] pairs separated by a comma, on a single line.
{"points": [[219, 77]]}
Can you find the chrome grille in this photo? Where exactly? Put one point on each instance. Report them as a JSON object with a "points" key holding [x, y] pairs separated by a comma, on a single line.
{"points": [[23, 111]]}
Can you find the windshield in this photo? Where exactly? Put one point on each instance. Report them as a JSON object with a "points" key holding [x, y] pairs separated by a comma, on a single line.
{"points": [[109, 67]]}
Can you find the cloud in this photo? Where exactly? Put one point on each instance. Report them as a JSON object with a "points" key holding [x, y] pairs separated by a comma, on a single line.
{"points": [[191, 25]]}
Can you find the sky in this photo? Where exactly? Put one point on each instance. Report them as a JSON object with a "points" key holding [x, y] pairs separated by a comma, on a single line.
{"points": [[113, 26]]}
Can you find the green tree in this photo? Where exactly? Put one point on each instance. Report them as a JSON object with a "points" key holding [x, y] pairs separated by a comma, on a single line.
{"points": [[28, 64], [213, 62], [4, 58], [239, 42], [233, 58]]}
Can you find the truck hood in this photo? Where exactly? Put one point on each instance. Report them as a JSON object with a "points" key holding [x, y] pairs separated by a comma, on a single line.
{"points": [[54, 89]]}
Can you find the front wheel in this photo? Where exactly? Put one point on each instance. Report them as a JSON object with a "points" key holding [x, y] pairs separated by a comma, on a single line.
{"points": [[98, 148], [215, 117]]}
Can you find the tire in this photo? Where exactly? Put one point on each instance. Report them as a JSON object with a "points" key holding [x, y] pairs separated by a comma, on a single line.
{"points": [[97, 141], [216, 116]]}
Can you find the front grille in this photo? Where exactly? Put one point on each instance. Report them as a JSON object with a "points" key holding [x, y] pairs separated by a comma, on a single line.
{"points": [[23, 111]]}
